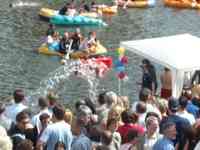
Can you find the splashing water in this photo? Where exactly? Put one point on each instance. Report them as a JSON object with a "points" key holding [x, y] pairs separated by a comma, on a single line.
{"points": [[86, 70]]}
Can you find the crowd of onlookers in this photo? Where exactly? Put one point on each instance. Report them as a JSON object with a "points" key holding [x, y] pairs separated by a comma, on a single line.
{"points": [[109, 123]]}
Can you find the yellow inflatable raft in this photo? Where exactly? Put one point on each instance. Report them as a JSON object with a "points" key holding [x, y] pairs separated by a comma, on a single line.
{"points": [[94, 50], [43, 49], [136, 3], [182, 4], [48, 13], [103, 9]]}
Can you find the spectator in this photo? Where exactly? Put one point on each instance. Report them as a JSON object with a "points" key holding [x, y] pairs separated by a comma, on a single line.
{"points": [[22, 130], [17, 107], [169, 132], [59, 131], [43, 105], [4, 121], [183, 112], [25, 145], [182, 125]]}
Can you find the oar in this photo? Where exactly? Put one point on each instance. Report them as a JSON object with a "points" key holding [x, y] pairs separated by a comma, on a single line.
{"points": [[69, 50]]}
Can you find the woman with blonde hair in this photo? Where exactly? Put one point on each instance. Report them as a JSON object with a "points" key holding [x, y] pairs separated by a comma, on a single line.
{"points": [[68, 116]]}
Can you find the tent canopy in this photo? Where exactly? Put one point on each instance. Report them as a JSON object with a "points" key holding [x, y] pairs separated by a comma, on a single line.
{"points": [[180, 53]]}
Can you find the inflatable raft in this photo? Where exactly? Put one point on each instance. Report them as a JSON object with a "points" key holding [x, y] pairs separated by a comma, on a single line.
{"points": [[104, 9], [48, 13], [95, 50], [137, 3], [182, 4], [76, 20]]}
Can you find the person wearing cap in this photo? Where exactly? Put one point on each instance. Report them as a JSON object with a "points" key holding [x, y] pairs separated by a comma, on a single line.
{"points": [[182, 125], [18, 106], [169, 134], [183, 112], [4, 121]]}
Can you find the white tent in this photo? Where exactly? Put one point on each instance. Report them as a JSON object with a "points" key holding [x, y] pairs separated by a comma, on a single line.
{"points": [[180, 53]]}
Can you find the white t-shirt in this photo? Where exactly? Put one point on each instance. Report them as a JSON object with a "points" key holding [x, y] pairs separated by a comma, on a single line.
{"points": [[12, 110], [36, 119], [57, 132], [186, 115]]}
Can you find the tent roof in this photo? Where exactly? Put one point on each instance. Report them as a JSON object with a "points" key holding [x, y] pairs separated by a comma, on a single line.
{"points": [[180, 52]]}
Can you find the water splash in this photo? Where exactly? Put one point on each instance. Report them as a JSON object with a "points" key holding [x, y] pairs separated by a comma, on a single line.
{"points": [[86, 70]]}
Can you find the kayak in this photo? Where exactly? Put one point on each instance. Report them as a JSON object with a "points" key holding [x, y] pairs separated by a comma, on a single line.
{"points": [[182, 4], [137, 3], [48, 13], [97, 50], [76, 20]]}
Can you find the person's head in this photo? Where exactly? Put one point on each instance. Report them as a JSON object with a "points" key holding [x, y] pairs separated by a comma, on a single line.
{"points": [[183, 102], [66, 35], [68, 116], [83, 115], [149, 114], [141, 107], [166, 69], [92, 34], [173, 105], [2, 107], [79, 103], [111, 98], [86, 7], [52, 97], [146, 63], [152, 124], [144, 95], [25, 145], [44, 119], [129, 117], [113, 124], [169, 130], [58, 112], [22, 120], [101, 98], [42, 102], [90, 104], [5, 143], [18, 96], [106, 137], [115, 112]]}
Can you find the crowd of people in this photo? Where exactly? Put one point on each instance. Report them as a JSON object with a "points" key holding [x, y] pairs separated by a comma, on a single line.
{"points": [[109, 123]]}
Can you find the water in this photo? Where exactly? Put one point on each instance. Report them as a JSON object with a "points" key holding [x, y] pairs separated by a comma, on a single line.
{"points": [[21, 31]]}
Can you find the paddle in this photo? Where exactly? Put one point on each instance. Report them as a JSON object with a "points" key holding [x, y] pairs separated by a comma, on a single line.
{"points": [[69, 50]]}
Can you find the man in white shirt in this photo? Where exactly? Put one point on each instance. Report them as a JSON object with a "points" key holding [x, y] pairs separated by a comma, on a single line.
{"points": [[43, 104], [183, 112], [57, 133], [18, 106]]}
